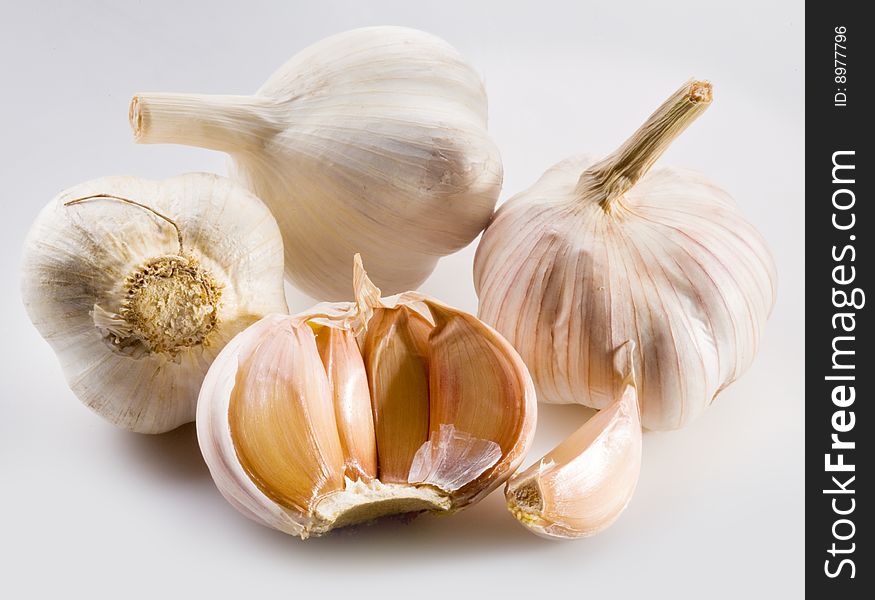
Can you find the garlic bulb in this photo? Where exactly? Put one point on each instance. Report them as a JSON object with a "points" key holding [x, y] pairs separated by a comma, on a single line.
{"points": [[352, 411], [138, 284], [599, 252], [580, 487], [358, 137]]}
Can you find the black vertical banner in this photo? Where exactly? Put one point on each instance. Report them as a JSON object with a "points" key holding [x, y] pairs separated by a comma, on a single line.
{"points": [[840, 226]]}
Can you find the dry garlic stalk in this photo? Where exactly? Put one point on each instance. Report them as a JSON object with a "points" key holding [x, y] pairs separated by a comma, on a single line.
{"points": [[598, 252], [358, 137], [138, 284], [353, 411]]}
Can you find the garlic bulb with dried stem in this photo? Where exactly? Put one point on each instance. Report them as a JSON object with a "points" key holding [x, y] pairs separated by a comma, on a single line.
{"points": [[360, 136], [598, 252], [352, 411], [138, 284]]}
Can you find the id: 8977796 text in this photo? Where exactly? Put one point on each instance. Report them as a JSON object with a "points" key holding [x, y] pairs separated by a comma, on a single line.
{"points": [[840, 66]]}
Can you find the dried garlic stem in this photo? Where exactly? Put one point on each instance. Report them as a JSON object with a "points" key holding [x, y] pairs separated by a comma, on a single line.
{"points": [[76, 201], [607, 180], [224, 123]]}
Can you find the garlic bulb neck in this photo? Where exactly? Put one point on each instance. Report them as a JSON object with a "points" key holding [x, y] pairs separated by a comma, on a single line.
{"points": [[606, 181], [170, 303], [216, 122]]}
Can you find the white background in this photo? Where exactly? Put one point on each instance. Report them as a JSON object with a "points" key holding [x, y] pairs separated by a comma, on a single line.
{"points": [[88, 510]]}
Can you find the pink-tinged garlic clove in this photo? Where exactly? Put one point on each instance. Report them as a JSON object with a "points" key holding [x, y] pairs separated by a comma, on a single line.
{"points": [[580, 487]]}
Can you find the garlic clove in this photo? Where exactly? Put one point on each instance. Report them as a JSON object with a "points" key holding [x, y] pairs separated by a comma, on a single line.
{"points": [[476, 385], [598, 252], [348, 382], [357, 137], [215, 439], [138, 284], [282, 419], [395, 351], [580, 487], [266, 412]]}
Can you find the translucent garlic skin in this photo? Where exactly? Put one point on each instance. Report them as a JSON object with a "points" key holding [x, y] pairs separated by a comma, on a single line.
{"points": [[81, 260], [360, 136], [286, 450], [669, 263]]}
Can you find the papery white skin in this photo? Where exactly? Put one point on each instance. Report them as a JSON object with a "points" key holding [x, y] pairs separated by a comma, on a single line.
{"points": [[436, 464], [671, 264], [77, 257], [585, 483], [360, 136]]}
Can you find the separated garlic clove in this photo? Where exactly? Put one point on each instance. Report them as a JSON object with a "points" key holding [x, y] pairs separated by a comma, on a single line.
{"points": [[138, 284], [580, 487], [598, 252], [277, 445], [357, 137]]}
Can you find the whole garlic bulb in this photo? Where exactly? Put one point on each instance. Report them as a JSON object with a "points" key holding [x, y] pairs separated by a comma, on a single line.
{"points": [[598, 252], [360, 136], [138, 284], [352, 411]]}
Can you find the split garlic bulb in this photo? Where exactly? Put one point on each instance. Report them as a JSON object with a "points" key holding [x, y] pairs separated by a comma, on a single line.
{"points": [[352, 411], [358, 137], [138, 284], [580, 487], [598, 252]]}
